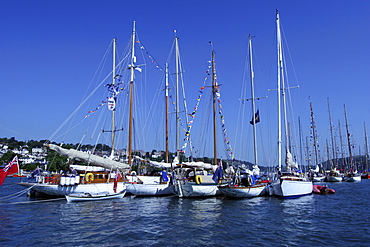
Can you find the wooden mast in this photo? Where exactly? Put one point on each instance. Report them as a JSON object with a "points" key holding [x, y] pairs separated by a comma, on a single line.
{"points": [[132, 68], [177, 99], [214, 91], [113, 111]]}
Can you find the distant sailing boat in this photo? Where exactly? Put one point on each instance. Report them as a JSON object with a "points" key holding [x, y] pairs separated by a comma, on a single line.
{"points": [[288, 184], [248, 185], [351, 174]]}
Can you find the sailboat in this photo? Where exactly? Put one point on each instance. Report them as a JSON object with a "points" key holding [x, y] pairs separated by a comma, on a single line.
{"points": [[94, 178], [193, 180], [366, 173], [140, 185], [315, 175], [288, 184], [249, 184], [351, 175]]}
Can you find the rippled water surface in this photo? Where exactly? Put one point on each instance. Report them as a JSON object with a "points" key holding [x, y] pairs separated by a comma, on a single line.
{"points": [[317, 220]]}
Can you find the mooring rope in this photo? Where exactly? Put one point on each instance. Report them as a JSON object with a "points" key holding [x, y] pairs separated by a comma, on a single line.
{"points": [[19, 193]]}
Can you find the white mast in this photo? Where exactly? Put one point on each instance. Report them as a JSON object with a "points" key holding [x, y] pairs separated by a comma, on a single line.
{"points": [[332, 137], [253, 103], [166, 96], [280, 73]]}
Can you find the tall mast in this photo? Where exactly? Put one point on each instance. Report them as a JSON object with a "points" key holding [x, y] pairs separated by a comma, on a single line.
{"points": [[214, 91], [280, 73], [253, 99], [341, 143], [113, 82], [177, 99], [366, 150], [132, 77], [331, 135], [314, 135], [300, 140], [166, 92], [348, 139]]}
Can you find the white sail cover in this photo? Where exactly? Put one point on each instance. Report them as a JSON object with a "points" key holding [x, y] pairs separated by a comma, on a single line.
{"points": [[256, 170], [88, 158], [195, 164], [289, 161], [317, 169]]}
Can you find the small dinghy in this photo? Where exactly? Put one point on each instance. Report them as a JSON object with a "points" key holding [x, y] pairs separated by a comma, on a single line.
{"points": [[80, 197], [322, 189]]}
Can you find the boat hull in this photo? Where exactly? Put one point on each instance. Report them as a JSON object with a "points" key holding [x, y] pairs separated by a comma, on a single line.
{"points": [[150, 189], [60, 191], [291, 188], [243, 192], [334, 179], [190, 189], [82, 197], [353, 179]]}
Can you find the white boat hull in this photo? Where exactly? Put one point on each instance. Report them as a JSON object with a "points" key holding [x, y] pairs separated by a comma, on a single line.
{"points": [[82, 197], [150, 189], [191, 189], [60, 191], [353, 179], [291, 188], [334, 179], [318, 179], [243, 192]]}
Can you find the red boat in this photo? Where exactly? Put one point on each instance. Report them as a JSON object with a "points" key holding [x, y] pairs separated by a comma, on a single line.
{"points": [[320, 189]]}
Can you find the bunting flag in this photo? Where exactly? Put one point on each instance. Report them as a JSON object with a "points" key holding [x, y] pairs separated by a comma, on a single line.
{"points": [[192, 115], [97, 108], [224, 129], [142, 47], [9, 169], [223, 123], [256, 118]]}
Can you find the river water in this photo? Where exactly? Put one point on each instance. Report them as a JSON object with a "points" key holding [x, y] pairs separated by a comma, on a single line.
{"points": [[317, 220]]}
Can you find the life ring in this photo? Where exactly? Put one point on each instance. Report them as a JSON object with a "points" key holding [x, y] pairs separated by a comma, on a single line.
{"points": [[198, 179], [250, 181], [89, 177]]}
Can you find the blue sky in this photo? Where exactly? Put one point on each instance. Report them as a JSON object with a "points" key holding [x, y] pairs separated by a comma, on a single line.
{"points": [[50, 51]]}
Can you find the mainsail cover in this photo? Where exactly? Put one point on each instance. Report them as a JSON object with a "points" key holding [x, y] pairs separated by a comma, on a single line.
{"points": [[89, 158], [289, 161], [175, 163]]}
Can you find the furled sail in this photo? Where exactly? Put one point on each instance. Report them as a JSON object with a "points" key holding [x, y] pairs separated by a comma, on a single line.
{"points": [[88, 158], [195, 164], [289, 161]]}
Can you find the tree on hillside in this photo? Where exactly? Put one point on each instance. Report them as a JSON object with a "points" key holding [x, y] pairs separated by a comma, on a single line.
{"points": [[7, 157]]}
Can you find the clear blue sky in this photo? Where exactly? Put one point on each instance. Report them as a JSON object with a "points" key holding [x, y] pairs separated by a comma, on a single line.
{"points": [[51, 49]]}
